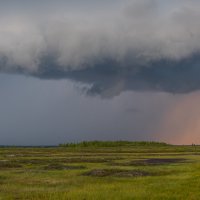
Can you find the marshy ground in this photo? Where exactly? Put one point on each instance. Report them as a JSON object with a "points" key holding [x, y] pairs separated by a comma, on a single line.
{"points": [[131, 171]]}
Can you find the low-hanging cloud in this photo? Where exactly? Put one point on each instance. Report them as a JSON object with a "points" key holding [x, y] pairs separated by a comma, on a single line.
{"points": [[112, 46]]}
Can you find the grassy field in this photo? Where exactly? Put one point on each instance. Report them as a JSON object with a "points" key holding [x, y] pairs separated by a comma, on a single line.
{"points": [[96, 170]]}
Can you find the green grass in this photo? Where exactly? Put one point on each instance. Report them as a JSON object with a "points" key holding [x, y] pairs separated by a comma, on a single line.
{"points": [[100, 170]]}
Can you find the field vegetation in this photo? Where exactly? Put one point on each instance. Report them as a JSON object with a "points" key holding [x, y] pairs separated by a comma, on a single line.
{"points": [[100, 170]]}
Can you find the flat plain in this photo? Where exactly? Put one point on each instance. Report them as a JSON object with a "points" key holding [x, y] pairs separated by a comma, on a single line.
{"points": [[89, 172]]}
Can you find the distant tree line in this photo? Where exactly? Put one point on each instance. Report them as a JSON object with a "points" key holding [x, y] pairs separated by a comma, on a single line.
{"points": [[113, 144]]}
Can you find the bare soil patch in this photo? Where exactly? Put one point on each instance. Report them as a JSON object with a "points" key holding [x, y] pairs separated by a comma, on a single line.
{"points": [[116, 173], [151, 161], [63, 167], [9, 165], [158, 161], [64, 160]]}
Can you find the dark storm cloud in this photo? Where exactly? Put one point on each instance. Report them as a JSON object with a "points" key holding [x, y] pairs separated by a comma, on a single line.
{"points": [[108, 79], [111, 46]]}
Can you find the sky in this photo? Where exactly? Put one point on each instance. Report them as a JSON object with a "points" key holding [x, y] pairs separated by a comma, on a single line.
{"points": [[99, 70]]}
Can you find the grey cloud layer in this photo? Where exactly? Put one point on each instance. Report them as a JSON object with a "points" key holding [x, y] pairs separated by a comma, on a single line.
{"points": [[131, 45]]}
